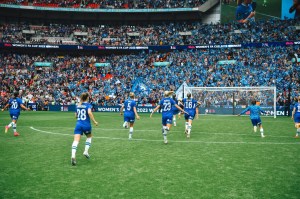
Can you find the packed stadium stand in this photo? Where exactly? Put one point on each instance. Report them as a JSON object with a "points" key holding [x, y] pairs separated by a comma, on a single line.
{"points": [[108, 4], [110, 75], [157, 34], [109, 85]]}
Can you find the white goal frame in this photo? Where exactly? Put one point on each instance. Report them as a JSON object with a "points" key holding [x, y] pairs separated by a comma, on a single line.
{"points": [[188, 89]]}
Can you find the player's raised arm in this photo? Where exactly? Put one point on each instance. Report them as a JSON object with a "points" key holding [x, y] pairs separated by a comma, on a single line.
{"points": [[156, 108], [262, 111], [179, 108], [244, 111]]}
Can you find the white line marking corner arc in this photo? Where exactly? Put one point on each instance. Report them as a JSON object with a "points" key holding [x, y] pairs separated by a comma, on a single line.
{"points": [[175, 141]]}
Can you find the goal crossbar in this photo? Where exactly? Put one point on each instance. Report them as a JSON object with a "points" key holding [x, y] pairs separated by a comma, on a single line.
{"points": [[238, 89]]}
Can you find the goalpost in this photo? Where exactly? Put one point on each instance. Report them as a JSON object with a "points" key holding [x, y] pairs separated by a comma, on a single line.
{"points": [[231, 100]]}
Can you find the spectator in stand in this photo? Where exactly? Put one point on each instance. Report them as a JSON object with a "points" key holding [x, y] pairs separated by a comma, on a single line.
{"points": [[162, 34]]}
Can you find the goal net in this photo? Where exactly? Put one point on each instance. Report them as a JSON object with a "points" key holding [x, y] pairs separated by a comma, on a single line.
{"points": [[232, 100]]}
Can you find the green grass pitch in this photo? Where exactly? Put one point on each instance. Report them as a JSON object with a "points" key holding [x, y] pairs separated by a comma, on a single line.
{"points": [[222, 159], [271, 10]]}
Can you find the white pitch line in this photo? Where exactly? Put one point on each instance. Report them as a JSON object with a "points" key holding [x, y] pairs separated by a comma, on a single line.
{"points": [[149, 130], [191, 141]]}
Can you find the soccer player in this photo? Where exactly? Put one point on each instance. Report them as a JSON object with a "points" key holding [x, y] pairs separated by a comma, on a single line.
{"points": [[296, 116], [175, 109], [15, 104], [83, 126], [255, 111], [167, 114], [295, 7], [130, 113], [191, 107], [244, 12]]}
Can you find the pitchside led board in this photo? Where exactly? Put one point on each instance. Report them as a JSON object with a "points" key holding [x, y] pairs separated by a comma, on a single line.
{"points": [[264, 9]]}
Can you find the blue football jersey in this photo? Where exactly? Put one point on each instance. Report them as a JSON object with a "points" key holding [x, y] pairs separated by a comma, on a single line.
{"points": [[15, 105], [297, 109], [83, 117], [254, 111], [128, 106], [190, 105], [166, 106], [243, 11]]}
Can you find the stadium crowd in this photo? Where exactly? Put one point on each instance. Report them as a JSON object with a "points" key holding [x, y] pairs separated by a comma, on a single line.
{"points": [[154, 34], [111, 83], [109, 4]]}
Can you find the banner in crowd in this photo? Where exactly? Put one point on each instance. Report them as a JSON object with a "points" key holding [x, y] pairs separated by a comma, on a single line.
{"points": [[181, 47], [140, 87], [32, 106], [281, 111]]}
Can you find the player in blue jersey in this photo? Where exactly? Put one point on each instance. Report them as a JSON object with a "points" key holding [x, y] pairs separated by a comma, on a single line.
{"points": [[175, 109], [191, 107], [130, 113], [295, 7], [167, 113], [296, 116], [244, 12], [255, 111], [15, 104], [83, 126]]}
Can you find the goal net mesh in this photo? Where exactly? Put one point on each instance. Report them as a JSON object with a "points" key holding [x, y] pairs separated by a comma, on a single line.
{"points": [[232, 100]]}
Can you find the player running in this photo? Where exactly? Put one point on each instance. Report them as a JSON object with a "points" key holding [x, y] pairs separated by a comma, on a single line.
{"points": [[83, 126], [167, 114], [296, 116], [130, 113], [15, 104], [255, 111], [191, 107], [175, 109]]}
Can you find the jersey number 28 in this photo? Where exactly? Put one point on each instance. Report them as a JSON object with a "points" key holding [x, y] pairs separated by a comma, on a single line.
{"points": [[81, 114]]}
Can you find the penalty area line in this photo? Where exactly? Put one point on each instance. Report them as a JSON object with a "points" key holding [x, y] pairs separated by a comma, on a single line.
{"points": [[174, 141]]}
